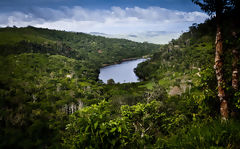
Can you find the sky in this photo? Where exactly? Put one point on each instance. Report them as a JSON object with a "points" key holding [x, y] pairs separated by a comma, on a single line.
{"points": [[155, 21]]}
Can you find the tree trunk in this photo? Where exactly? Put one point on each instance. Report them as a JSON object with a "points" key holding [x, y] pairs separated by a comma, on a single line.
{"points": [[235, 69], [235, 53], [234, 76], [219, 73]]}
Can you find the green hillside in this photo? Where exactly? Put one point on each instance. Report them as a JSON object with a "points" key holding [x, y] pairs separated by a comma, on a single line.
{"points": [[80, 46], [50, 95], [45, 72], [181, 61]]}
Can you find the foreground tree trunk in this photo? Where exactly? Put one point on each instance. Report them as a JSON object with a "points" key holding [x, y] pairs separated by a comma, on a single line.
{"points": [[217, 8], [235, 69], [219, 70]]}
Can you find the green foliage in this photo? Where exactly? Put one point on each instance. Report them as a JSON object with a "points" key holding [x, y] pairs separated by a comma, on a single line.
{"points": [[95, 50], [212, 134], [213, 6], [97, 127], [110, 81], [50, 95], [193, 50], [45, 75], [188, 62]]}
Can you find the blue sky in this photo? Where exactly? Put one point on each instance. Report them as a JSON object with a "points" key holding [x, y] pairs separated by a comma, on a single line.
{"points": [[132, 19], [183, 5]]}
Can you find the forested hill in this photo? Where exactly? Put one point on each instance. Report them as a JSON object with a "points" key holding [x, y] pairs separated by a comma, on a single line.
{"points": [[183, 57], [185, 61], [45, 75], [51, 98], [80, 46]]}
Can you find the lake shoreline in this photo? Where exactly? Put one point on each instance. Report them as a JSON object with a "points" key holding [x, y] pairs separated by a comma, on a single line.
{"points": [[125, 60], [121, 72]]}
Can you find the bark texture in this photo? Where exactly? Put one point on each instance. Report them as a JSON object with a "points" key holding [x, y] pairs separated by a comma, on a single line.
{"points": [[219, 61], [235, 71], [219, 74]]}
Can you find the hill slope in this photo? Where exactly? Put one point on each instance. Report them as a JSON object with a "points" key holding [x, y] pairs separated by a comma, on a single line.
{"points": [[51, 98], [80, 46], [46, 75]]}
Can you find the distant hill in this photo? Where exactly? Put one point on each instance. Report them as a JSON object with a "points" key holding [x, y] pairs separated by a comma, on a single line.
{"points": [[50, 95], [156, 37], [73, 45]]}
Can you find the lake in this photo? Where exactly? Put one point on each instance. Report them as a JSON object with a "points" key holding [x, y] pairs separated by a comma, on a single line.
{"points": [[120, 73]]}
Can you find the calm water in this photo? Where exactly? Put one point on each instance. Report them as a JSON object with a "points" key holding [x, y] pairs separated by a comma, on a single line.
{"points": [[122, 73]]}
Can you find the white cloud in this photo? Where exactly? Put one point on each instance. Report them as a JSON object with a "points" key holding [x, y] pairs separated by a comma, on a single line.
{"points": [[113, 21], [157, 37]]}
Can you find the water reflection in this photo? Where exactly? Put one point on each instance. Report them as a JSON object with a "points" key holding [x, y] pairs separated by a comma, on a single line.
{"points": [[120, 73]]}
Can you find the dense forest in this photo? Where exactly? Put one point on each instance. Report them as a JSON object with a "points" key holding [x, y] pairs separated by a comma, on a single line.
{"points": [[50, 95], [46, 75]]}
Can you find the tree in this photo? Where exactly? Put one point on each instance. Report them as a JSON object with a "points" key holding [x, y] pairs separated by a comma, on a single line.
{"points": [[235, 69], [110, 81], [235, 72], [217, 8]]}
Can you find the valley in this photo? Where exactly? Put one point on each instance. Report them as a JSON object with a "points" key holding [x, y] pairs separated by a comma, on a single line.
{"points": [[54, 94]]}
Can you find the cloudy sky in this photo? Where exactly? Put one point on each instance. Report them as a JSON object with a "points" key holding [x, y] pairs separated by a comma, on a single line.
{"points": [[156, 21]]}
